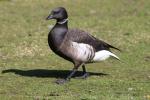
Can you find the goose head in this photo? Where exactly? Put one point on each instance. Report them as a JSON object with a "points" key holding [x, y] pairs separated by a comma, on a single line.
{"points": [[59, 13]]}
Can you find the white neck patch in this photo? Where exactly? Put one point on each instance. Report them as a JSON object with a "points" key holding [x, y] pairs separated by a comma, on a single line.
{"points": [[62, 22]]}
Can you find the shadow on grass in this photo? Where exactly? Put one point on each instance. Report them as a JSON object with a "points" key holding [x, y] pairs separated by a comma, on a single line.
{"points": [[47, 73]]}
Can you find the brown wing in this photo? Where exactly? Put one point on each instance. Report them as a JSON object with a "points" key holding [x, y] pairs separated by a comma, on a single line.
{"points": [[80, 36]]}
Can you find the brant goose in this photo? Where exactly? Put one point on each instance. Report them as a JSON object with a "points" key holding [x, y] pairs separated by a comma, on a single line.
{"points": [[77, 46]]}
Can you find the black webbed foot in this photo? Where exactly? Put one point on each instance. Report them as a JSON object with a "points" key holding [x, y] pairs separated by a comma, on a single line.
{"points": [[62, 81]]}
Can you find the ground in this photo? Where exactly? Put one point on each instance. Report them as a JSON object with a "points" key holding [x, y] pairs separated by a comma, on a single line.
{"points": [[28, 68]]}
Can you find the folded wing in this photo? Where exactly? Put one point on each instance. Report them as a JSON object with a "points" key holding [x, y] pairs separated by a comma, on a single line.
{"points": [[80, 36]]}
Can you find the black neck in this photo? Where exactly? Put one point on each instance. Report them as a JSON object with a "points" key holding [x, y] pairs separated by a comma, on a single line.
{"points": [[57, 34]]}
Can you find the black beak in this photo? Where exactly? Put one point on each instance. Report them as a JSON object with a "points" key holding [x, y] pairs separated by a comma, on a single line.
{"points": [[49, 17]]}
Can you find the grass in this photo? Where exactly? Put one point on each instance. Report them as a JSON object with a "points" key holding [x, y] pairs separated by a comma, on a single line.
{"points": [[28, 67]]}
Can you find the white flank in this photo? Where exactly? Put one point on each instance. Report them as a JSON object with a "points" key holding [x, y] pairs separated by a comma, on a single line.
{"points": [[83, 52], [103, 55]]}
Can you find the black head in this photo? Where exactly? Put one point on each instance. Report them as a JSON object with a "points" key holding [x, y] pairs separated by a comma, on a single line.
{"points": [[58, 13]]}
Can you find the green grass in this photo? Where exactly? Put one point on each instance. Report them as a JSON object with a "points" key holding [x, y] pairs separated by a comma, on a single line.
{"points": [[31, 67]]}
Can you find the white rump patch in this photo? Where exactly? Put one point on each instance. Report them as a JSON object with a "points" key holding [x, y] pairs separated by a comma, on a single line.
{"points": [[103, 55]]}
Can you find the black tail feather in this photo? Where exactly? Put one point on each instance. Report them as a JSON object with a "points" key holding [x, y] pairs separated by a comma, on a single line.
{"points": [[114, 47]]}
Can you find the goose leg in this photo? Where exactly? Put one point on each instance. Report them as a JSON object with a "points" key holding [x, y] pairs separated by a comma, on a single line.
{"points": [[71, 74], [85, 74], [62, 81], [84, 69]]}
